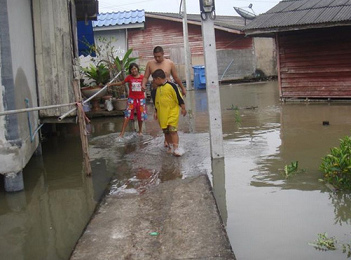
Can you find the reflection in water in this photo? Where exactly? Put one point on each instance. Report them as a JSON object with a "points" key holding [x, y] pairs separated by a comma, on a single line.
{"points": [[56, 193], [342, 206], [218, 183], [46, 219]]}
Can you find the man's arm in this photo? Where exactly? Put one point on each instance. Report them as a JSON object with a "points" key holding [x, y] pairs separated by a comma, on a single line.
{"points": [[146, 76], [183, 110], [177, 79]]}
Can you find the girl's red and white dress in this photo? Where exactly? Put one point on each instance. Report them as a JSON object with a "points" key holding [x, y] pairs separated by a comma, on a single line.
{"points": [[136, 99]]}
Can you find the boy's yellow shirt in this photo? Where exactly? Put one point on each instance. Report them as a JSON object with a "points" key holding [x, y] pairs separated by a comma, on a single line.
{"points": [[167, 105]]}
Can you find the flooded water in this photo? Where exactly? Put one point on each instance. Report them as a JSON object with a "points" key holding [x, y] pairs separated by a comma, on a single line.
{"points": [[270, 217], [266, 215]]}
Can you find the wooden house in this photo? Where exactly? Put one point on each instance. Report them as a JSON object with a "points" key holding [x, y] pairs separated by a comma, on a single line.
{"points": [[38, 49], [238, 56], [313, 42]]}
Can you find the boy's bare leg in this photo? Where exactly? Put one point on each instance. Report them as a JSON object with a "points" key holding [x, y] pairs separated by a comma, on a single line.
{"points": [[126, 120], [168, 139], [175, 141]]}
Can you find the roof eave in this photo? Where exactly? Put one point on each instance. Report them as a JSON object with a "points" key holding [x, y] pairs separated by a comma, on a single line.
{"points": [[198, 23], [270, 32], [119, 27]]}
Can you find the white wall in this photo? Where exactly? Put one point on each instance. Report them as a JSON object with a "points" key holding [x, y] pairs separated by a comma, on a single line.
{"points": [[16, 147], [118, 40]]}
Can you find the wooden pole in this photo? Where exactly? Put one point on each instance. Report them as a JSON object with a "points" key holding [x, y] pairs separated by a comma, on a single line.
{"points": [[82, 128], [187, 53]]}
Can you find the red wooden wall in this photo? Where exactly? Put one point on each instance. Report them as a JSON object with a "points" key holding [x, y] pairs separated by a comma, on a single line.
{"points": [[315, 63], [169, 35]]}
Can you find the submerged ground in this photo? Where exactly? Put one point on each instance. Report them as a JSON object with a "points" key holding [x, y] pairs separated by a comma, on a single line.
{"points": [[266, 215]]}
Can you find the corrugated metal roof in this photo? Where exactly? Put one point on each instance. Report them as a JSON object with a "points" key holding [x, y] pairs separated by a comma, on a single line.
{"points": [[119, 18], [222, 21], [297, 14]]}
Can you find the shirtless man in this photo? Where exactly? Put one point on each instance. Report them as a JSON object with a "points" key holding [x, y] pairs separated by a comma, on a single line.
{"points": [[166, 65]]}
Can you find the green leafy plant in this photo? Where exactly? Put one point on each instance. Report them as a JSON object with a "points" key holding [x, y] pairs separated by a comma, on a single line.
{"points": [[237, 116], [107, 54], [292, 169], [336, 166], [123, 64], [98, 75], [324, 242]]}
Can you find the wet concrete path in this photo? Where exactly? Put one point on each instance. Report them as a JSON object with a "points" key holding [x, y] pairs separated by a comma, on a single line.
{"points": [[174, 220], [159, 206]]}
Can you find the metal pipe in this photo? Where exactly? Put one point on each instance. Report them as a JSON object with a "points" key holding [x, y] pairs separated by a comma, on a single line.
{"points": [[225, 71], [28, 117], [32, 135], [23, 110], [35, 132], [87, 100]]}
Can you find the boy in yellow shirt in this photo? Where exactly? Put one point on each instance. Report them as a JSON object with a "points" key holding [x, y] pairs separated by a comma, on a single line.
{"points": [[168, 101]]}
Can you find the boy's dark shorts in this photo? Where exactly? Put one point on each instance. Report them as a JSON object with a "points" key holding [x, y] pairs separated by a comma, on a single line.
{"points": [[169, 129]]}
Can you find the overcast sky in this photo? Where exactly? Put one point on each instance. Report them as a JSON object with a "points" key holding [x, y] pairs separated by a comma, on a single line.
{"points": [[223, 7]]}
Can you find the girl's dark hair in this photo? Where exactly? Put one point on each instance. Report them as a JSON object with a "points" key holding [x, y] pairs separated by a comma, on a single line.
{"points": [[131, 66]]}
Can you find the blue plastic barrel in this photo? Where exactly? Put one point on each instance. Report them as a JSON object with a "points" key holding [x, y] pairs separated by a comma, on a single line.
{"points": [[199, 77]]}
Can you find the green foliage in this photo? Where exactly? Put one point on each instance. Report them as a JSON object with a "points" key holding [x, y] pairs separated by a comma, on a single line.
{"points": [[236, 114], [336, 166], [107, 55], [99, 74], [123, 64], [291, 169], [324, 242]]}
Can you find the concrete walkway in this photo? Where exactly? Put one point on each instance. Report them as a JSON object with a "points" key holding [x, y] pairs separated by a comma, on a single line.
{"points": [[176, 219]]}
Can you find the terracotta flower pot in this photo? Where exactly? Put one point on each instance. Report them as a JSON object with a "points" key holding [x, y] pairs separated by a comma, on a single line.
{"points": [[90, 91], [119, 103]]}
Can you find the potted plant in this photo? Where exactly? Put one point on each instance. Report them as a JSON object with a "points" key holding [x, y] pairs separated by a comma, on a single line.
{"points": [[106, 56], [119, 92], [96, 76]]}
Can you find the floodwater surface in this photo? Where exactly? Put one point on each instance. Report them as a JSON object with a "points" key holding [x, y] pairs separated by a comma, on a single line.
{"points": [[267, 216]]}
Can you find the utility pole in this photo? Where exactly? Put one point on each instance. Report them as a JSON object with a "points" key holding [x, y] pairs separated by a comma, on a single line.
{"points": [[212, 84], [187, 53]]}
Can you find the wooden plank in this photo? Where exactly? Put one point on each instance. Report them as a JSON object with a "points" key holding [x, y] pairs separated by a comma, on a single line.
{"points": [[320, 87], [53, 40], [37, 24], [328, 80], [277, 43], [322, 58], [316, 53], [320, 71], [50, 95]]}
